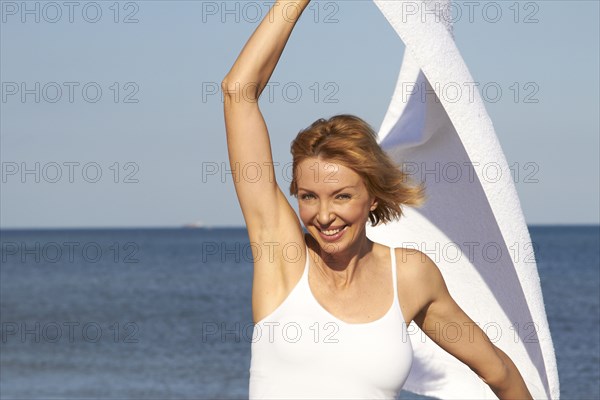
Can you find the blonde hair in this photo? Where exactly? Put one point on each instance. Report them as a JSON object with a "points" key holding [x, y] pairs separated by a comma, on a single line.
{"points": [[350, 141]]}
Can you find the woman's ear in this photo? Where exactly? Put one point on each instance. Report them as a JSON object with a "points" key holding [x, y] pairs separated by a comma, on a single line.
{"points": [[374, 205]]}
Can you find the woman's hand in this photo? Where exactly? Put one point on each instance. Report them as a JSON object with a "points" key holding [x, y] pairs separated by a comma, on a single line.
{"points": [[256, 63]]}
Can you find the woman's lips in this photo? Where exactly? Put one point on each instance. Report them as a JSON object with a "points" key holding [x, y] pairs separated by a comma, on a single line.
{"points": [[334, 237]]}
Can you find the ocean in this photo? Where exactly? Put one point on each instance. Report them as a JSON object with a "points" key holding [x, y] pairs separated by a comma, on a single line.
{"points": [[166, 313]]}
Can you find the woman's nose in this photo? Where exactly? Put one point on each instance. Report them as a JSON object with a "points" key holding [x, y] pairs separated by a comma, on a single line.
{"points": [[325, 215]]}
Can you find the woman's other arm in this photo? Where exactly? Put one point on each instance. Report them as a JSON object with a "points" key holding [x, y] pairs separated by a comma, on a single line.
{"points": [[473, 347]]}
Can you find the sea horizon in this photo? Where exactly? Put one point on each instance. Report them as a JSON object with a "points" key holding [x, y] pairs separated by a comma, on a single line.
{"points": [[225, 227], [151, 291]]}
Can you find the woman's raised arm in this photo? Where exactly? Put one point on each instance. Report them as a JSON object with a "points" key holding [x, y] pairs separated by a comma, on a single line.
{"points": [[262, 202]]}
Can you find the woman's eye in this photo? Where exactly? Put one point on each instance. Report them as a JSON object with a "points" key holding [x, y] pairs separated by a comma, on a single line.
{"points": [[306, 196], [344, 196]]}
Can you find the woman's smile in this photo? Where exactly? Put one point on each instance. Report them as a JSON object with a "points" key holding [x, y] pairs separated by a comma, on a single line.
{"points": [[333, 235]]}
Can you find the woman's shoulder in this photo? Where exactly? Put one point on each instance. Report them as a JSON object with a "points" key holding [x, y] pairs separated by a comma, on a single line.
{"points": [[419, 279], [417, 268], [404, 256]]}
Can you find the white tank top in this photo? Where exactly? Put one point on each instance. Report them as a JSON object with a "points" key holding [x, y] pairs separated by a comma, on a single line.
{"points": [[301, 351]]}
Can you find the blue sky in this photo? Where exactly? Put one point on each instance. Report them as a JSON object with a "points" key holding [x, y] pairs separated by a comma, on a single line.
{"points": [[115, 111]]}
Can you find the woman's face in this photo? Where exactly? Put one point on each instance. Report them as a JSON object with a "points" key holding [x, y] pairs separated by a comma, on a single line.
{"points": [[334, 203]]}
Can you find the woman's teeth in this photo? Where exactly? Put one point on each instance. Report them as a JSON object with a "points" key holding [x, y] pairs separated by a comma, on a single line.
{"points": [[333, 232]]}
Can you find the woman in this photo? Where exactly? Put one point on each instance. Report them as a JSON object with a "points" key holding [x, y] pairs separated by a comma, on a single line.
{"points": [[321, 301]]}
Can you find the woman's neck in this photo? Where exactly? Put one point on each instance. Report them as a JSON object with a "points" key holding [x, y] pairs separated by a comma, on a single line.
{"points": [[340, 269]]}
